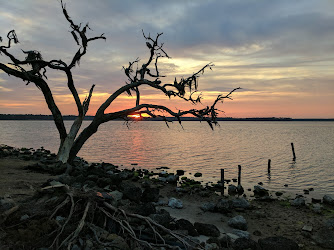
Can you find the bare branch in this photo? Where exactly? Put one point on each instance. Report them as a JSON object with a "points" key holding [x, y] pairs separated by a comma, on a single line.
{"points": [[79, 35]]}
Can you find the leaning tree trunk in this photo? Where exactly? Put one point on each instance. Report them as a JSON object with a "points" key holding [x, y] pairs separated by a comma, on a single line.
{"points": [[67, 144], [80, 141]]}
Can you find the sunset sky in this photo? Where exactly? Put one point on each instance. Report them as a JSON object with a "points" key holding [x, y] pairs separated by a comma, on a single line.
{"points": [[281, 53]]}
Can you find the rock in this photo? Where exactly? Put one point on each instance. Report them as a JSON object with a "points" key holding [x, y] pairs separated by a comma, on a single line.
{"points": [[184, 224], [131, 191], [330, 223], [240, 203], [6, 203], [117, 195], [260, 191], [317, 208], [314, 200], [232, 190], [238, 222], [24, 217], [146, 209], [224, 240], [278, 243], [240, 189], [118, 241], [172, 178], [279, 193], [207, 229], [244, 243], [151, 195], [198, 174], [306, 191], [208, 206], [162, 217], [307, 228], [298, 202], [328, 199], [241, 233], [180, 172], [223, 206], [175, 203]]}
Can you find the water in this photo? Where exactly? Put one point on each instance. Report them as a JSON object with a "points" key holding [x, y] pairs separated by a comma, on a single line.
{"points": [[197, 148]]}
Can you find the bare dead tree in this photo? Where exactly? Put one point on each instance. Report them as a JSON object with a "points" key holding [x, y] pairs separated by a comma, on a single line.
{"points": [[70, 141]]}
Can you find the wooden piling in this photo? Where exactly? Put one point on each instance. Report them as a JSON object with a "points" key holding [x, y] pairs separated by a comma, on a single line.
{"points": [[269, 165], [293, 151], [239, 175], [222, 179]]}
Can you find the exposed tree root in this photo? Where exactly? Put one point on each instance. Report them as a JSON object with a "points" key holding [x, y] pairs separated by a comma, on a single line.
{"points": [[79, 218]]}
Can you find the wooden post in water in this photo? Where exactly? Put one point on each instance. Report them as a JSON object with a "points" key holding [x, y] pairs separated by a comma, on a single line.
{"points": [[293, 151], [269, 162], [222, 178], [239, 175]]}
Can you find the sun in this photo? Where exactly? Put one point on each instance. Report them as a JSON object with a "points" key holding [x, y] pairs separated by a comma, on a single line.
{"points": [[139, 116]]}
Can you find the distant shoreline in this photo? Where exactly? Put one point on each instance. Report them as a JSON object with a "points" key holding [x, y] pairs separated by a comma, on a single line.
{"points": [[73, 117]]}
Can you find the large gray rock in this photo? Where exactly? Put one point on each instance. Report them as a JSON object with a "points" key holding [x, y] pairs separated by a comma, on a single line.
{"points": [[175, 203], [232, 189], [298, 202], [184, 224], [240, 203], [117, 195], [328, 199], [172, 178], [278, 243], [238, 222], [208, 206], [241, 233], [162, 217], [224, 206], [207, 229]]}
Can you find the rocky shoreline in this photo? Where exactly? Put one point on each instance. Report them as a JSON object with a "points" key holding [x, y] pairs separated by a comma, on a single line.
{"points": [[155, 209]]}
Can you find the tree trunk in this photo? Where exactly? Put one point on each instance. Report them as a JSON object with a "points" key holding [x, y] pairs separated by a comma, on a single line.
{"points": [[82, 138], [66, 146]]}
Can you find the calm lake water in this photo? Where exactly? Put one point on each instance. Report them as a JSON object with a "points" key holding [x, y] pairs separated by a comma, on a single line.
{"points": [[196, 148]]}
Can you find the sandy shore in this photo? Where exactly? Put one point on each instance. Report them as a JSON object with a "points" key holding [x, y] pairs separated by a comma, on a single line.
{"points": [[278, 217]]}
